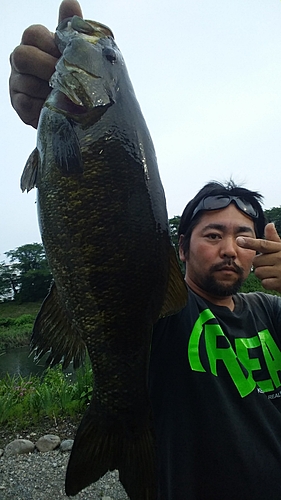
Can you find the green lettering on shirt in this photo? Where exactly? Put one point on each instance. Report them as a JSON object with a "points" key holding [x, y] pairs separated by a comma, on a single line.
{"points": [[272, 355], [193, 345], [243, 347], [244, 384]]}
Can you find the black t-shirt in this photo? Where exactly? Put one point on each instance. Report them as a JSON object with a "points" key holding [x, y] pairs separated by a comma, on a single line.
{"points": [[215, 387]]}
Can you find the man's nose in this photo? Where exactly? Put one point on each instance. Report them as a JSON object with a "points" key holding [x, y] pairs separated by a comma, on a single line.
{"points": [[229, 248]]}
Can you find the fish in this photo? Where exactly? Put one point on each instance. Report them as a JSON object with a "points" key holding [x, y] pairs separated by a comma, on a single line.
{"points": [[104, 226]]}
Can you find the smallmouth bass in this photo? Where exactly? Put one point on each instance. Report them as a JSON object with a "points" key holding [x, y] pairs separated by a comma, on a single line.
{"points": [[104, 227]]}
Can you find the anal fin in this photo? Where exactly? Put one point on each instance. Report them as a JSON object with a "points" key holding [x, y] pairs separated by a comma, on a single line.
{"points": [[54, 333]]}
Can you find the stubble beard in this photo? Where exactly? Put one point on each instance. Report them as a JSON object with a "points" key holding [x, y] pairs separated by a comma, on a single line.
{"points": [[210, 284]]}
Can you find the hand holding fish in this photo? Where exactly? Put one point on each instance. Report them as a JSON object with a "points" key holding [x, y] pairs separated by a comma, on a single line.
{"points": [[267, 263], [33, 63]]}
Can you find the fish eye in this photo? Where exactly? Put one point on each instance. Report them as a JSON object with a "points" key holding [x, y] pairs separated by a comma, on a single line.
{"points": [[110, 55]]}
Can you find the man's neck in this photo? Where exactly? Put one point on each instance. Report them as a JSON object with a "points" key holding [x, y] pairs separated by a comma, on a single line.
{"points": [[214, 299]]}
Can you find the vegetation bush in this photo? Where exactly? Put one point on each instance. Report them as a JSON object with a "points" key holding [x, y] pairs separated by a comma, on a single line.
{"points": [[253, 284], [25, 401], [15, 332], [16, 323]]}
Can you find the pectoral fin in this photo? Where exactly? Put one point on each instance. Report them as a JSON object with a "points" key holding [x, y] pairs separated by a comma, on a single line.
{"points": [[29, 175], [65, 145]]}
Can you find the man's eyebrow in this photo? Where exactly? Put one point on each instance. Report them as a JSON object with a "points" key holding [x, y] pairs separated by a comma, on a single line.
{"points": [[245, 229], [223, 228]]}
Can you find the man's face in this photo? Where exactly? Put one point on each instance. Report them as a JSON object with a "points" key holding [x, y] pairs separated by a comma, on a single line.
{"points": [[215, 263]]}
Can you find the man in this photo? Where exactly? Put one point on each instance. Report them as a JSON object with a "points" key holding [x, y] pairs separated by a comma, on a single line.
{"points": [[215, 371], [216, 365]]}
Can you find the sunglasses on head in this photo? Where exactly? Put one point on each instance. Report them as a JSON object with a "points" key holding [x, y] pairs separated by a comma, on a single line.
{"points": [[217, 202]]}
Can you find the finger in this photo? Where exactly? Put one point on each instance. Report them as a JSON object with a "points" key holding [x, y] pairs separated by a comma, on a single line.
{"points": [[69, 8], [263, 272], [260, 246], [268, 259], [40, 37], [30, 60], [33, 86], [29, 87], [28, 108], [271, 284], [270, 232]]}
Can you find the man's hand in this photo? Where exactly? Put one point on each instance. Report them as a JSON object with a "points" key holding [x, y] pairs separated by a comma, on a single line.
{"points": [[33, 63], [267, 263]]}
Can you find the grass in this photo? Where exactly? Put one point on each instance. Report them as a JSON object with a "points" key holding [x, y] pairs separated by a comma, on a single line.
{"points": [[13, 309], [16, 322], [25, 401]]}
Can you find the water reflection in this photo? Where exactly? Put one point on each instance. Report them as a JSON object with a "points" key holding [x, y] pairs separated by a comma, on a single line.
{"points": [[18, 362]]}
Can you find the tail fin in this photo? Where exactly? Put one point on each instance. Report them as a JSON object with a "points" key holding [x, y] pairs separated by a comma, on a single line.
{"points": [[100, 447]]}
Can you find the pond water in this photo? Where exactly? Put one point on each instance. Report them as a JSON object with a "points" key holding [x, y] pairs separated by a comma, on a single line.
{"points": [[17, 361]]}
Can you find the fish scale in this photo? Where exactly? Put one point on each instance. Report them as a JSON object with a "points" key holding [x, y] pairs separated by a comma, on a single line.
{"points": [[104, 226]]}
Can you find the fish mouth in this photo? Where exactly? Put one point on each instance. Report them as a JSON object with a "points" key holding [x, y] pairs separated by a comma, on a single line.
{"points": [[78, 93], [70, 106], [73, 108]]}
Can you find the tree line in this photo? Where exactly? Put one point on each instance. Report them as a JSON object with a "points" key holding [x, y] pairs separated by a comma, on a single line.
{"points": [[25, 275]]}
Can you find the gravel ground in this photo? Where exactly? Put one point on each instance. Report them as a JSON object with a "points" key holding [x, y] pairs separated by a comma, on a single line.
{"points": [[40, 476]]}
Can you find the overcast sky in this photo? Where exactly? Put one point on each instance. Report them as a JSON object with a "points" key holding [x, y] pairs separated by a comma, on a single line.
{"points": [[207, 74]]}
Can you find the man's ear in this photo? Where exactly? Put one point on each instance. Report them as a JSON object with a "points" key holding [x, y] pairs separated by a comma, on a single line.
{"points": [[181, 252]]}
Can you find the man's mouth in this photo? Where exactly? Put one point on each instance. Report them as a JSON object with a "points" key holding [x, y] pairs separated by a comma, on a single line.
{"points": [[231, 268], [228, 268]]}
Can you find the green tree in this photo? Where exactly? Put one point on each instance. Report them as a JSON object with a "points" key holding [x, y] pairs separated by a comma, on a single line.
{"points": [[274, 215], [28, 257], [9, 281], [174, 226], [253, 284], [35, 285], [26, 277]]}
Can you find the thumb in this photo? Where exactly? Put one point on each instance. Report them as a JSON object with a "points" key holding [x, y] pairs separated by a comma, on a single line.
{"points": [[270, 232], [69, 8]]}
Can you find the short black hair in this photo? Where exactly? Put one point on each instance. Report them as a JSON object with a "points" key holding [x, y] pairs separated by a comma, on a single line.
{"points": [[187, 223]]}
